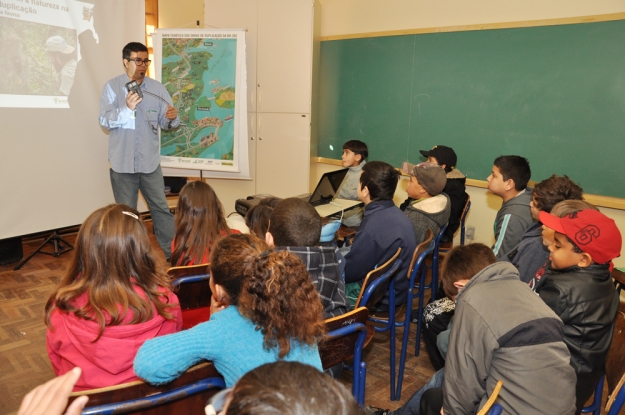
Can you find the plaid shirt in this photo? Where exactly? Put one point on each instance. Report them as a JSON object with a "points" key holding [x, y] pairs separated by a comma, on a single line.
{"points": [[322, 266]]}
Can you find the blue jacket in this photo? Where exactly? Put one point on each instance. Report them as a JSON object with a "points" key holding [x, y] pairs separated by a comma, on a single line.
{"points": [[529, 254], [384, 228]]}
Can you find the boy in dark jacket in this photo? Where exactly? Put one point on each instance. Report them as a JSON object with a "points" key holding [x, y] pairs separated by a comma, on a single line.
{"points": [[384, 228], [578, 287], [430, 209], [454, 187], [530, 254], [295, 226]]}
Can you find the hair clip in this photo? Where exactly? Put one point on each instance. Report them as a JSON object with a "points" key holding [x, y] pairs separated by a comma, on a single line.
{"points": [[132, 215]]}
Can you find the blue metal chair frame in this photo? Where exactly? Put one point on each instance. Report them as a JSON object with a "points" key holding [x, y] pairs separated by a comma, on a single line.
{"points": [[434, 282], [359, 367], [390, 322], [193, 278], [417, 269], [157, 399], [495, 409]]}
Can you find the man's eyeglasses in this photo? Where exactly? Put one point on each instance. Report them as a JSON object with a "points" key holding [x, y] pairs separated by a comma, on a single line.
{"points": [[140, 62]]}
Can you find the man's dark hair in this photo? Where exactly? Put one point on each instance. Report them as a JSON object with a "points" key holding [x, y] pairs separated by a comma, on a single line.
{"points": [[463, 262], [516, 168], [294, 222], [380, 178], [357, 147], [555, 189], [133, 47]]}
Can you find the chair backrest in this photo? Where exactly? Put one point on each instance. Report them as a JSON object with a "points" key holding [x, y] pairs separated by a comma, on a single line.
{"points": [[491, 399], [619, 279], [615, 363], [186, 395], [421, 248], [463, 216], [375, 285], [342, 337], [191, 285]]}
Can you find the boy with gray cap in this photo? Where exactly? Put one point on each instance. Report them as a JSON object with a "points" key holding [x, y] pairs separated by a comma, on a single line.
{"points": [[430, 208]]}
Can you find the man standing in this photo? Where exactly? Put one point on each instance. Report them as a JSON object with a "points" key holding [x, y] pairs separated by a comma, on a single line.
{"points": [[134, 151]]}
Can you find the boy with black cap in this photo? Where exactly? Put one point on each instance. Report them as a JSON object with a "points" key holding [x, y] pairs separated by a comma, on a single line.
{"points": [[578, 287], [454, 187], [430, 208]]}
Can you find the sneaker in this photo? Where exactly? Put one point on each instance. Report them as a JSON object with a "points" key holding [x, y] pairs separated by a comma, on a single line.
{"points": [[373, 410]]}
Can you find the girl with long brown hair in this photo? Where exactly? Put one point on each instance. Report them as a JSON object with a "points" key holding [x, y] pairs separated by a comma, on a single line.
{"points": [[200, 223], [264, 308], [111, 299]]}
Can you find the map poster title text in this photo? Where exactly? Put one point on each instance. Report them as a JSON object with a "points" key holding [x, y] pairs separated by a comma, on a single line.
{"points": [[209, 36]]}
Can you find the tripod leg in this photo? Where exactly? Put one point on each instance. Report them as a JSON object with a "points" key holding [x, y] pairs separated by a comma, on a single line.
{"points": [[25, 260]]}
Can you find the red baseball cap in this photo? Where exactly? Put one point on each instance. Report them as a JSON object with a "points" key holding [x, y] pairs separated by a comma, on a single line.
{"points": [[592, 231]]}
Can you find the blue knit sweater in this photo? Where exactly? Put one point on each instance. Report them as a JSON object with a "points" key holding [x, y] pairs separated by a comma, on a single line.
{"points": [[229, 340]]}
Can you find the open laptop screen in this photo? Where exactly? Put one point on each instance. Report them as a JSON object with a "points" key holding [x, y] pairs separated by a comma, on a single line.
{"points": [[327, 187]]}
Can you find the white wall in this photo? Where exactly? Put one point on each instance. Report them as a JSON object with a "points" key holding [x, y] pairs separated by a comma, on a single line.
{"points": [[341, 17]]}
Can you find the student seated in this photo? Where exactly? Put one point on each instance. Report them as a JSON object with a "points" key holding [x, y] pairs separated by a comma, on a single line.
{"points": [[497, 322], [287, 388], [384, 228], [354, 154], [508, 180], [200, 223], [295, 226], [561, 209], [431, 208], [530, 254], [264, 308], [579, 289], [257, 218], [111, 299], [454, 187]]}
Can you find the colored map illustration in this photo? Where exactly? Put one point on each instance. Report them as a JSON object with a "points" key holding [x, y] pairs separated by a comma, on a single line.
{"points": [[200, 75]]}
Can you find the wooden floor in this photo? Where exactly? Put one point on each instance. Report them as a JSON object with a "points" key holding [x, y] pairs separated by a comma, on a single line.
{"points": [[24, 362]]}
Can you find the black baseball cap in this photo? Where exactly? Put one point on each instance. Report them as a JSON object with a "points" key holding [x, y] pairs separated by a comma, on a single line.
{"points": [[445, 155]]}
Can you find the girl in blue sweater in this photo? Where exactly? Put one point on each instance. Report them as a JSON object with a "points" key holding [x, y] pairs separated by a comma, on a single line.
{"points": [[264, 308]]}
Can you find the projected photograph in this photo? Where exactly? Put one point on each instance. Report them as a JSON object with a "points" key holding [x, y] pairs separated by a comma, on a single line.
{"points": [[39, 52]]}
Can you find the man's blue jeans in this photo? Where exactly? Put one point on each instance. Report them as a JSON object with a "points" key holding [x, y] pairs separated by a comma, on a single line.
{"points": [[413, 405], [125, 189]]}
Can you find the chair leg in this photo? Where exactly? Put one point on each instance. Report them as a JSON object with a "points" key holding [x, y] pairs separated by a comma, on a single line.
{"points": [[420, 313], [391, 322], [404, 346], [362, 383]]}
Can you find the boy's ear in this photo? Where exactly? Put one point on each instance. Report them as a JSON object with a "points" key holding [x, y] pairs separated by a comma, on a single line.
{"points": [[269, 239], [585, 260], [510, 184], [359, 158]]}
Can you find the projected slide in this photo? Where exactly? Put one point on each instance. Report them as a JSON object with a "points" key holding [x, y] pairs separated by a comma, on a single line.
{"points": [[39, 50]]}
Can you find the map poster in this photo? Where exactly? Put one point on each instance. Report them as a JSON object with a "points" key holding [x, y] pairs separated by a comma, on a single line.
{"points": [[204, 72]]}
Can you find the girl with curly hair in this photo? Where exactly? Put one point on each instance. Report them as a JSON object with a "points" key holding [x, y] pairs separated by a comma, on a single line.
{"points": [[200, 223], [111, 299], [264, 308]]}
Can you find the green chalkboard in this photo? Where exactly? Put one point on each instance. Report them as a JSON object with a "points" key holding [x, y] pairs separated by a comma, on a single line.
{"points": [[553, 94]]}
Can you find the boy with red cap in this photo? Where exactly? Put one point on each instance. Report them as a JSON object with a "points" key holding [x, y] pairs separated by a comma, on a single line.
{"points": [[578, 287]]}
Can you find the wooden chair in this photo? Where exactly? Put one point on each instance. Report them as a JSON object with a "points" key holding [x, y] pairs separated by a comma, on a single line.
{"points": [[376, 283], [374, 288], [417, 267], [491, 400], [619, 279], [614, 373], [346, 338], [186, 395], [446, 246], [193, 290]]}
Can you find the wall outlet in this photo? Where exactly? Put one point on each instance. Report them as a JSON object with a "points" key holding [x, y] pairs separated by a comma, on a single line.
{"points": [[470, 232]]}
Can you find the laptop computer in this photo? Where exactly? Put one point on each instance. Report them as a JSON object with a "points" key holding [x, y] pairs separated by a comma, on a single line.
{"points": [[324, 197]]}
